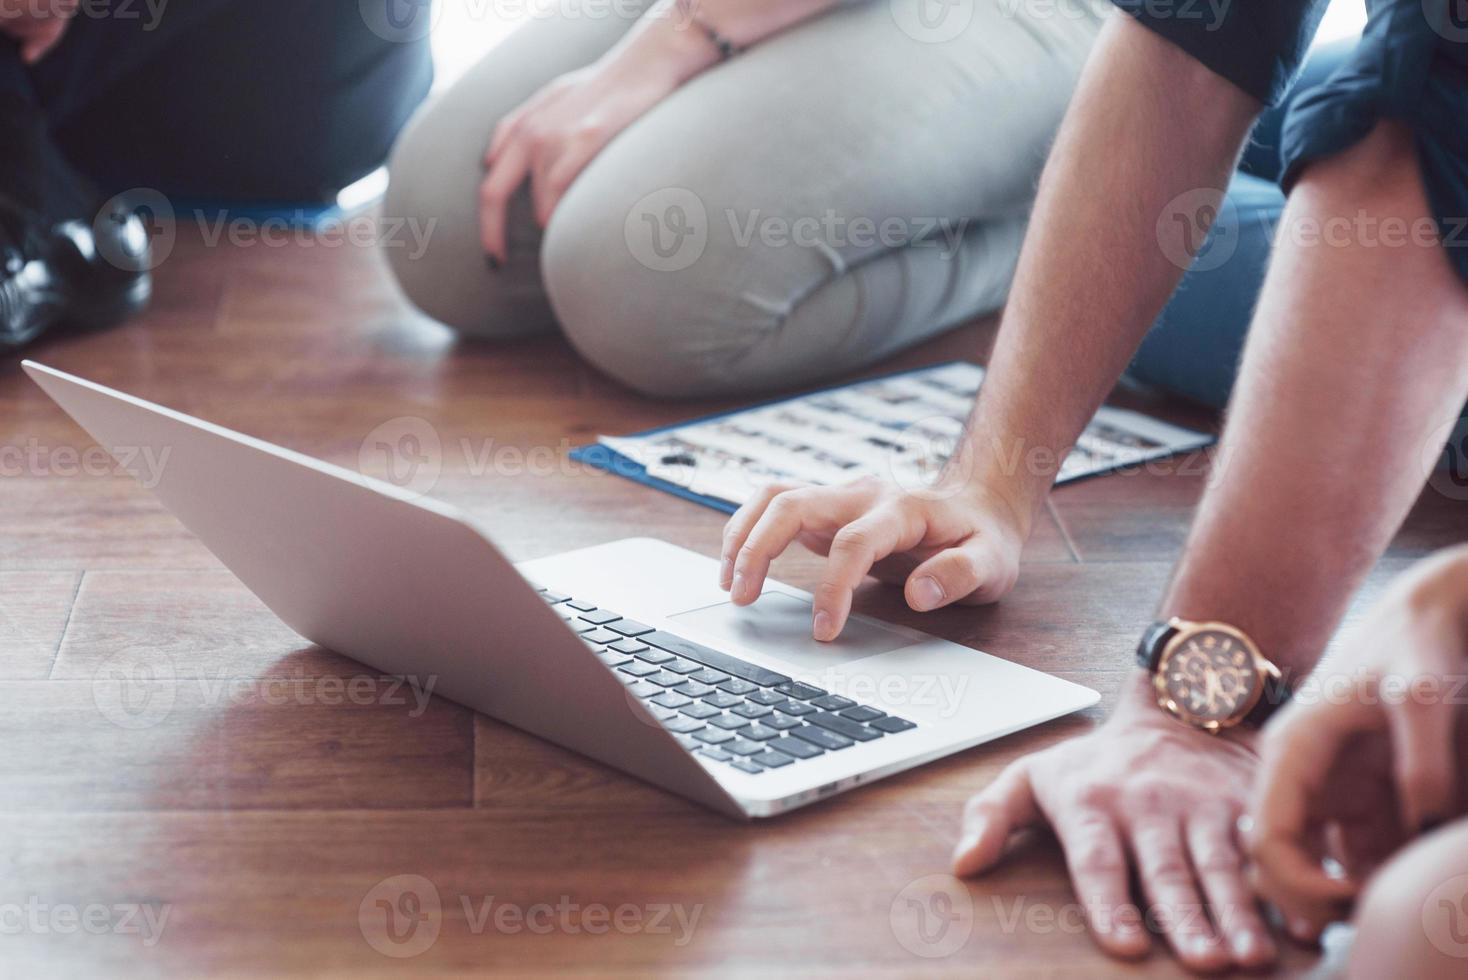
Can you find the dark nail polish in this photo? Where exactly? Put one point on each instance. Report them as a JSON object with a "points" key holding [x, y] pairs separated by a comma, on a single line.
{"points": [[492, 262]]}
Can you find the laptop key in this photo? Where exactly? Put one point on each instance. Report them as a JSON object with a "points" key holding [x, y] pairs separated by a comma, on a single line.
{"points": [[642, 689], [750, 710], [891, 724], [687, 742], [794, 708], [680, 666], [600, 616], [710, 657], [722, 699], [693, 689], [735, 685], [649, 655], [581, 605], [599, 636], [700, 710], [683, 726], [663, 714], [744, 765], [552, 597], [714, 736], [629, 646], [613, 659], [821, 738], [742, 746], [799, 691], [718, 755], [773, 760], [710, 676], [842, 726], [833, 702], [581, 627], [729, 721], [758, 733], [862, 713], [664, 679], [629, 627], [669, 699], [781, 722], [799, 748], [638, 669], [766, 697]]}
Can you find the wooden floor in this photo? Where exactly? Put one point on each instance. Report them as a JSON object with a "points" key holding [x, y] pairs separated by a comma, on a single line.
{"points": [[267, 814]]}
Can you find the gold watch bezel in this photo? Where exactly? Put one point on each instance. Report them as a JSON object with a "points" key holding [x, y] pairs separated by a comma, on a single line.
{"points": [[1186, 630]]}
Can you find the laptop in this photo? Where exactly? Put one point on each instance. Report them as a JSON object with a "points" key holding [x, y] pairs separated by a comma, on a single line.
{"points": [[627, 652]]}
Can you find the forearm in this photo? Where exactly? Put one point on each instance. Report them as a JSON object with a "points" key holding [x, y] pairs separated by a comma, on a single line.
{"points": [[1357, 359], [670, 40], [1147, 124]]}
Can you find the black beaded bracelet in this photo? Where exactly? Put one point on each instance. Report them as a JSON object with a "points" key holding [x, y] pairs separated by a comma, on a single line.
{"points": [[726, 48]]}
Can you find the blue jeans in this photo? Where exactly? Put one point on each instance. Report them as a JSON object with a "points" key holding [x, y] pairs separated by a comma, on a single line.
{"points": [[1193, 349]]}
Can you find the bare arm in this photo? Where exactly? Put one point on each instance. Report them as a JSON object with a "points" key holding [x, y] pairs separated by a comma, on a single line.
{"points": [[1148, 124]]}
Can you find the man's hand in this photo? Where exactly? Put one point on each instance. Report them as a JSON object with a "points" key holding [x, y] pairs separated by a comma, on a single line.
{"points": [[36, 24], [1143, 794], [1370, 753], [948, 545]]}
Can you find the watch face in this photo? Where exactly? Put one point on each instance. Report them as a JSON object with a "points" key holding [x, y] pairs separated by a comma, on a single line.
{"points": [[1210, 677]]}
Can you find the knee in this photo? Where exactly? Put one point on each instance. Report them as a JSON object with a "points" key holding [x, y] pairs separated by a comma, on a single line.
{"points": [[1412, 919], [430, 237], [643, 302]]}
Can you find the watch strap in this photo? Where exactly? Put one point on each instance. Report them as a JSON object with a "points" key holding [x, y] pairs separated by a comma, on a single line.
{"points": [[1153, 642], [1276, 695]]}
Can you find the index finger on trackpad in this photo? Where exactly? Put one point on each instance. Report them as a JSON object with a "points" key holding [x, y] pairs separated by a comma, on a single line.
{"points": [[779, 624]]}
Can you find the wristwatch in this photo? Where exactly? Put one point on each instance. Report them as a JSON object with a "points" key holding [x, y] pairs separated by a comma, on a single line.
{"points": [[1210, 675]]}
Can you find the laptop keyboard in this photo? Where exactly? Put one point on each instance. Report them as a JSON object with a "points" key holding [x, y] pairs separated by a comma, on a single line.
{"points": [[719, 706]]}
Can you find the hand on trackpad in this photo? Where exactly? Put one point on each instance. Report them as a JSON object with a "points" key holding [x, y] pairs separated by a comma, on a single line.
{"points": [[779, 624]]}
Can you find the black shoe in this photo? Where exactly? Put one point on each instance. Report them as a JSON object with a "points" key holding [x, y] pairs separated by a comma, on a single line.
{"points": [[73, 274]]}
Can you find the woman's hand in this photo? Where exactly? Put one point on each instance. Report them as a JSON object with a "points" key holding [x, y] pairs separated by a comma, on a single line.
{"points": [[1371, 751], [36, 24], [961, 545], [553, 136]]}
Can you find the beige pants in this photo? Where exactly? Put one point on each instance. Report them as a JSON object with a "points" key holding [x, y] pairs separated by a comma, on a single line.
{"points": [[839, 192]]}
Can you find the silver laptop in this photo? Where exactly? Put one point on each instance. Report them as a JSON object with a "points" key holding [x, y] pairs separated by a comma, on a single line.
{"points": [[625, 652]]}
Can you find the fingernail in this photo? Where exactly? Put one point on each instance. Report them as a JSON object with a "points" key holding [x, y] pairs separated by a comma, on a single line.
{"points": [[966, 843], [823, 628], [926, 594], [492, 262], [736, 586], [726, 570]]}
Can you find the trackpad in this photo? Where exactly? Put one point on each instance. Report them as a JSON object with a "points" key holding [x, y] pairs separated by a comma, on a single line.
{"points": [[779, 624]]}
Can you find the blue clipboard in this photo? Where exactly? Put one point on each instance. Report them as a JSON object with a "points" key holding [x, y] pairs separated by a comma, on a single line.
{"points": [[605, 458]]}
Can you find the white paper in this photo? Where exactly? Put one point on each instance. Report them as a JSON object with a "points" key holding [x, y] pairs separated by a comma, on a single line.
{"points": [[903, 428]]}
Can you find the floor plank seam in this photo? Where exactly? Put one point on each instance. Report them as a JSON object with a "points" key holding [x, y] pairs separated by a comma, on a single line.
{"points": [[66, 624]]}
